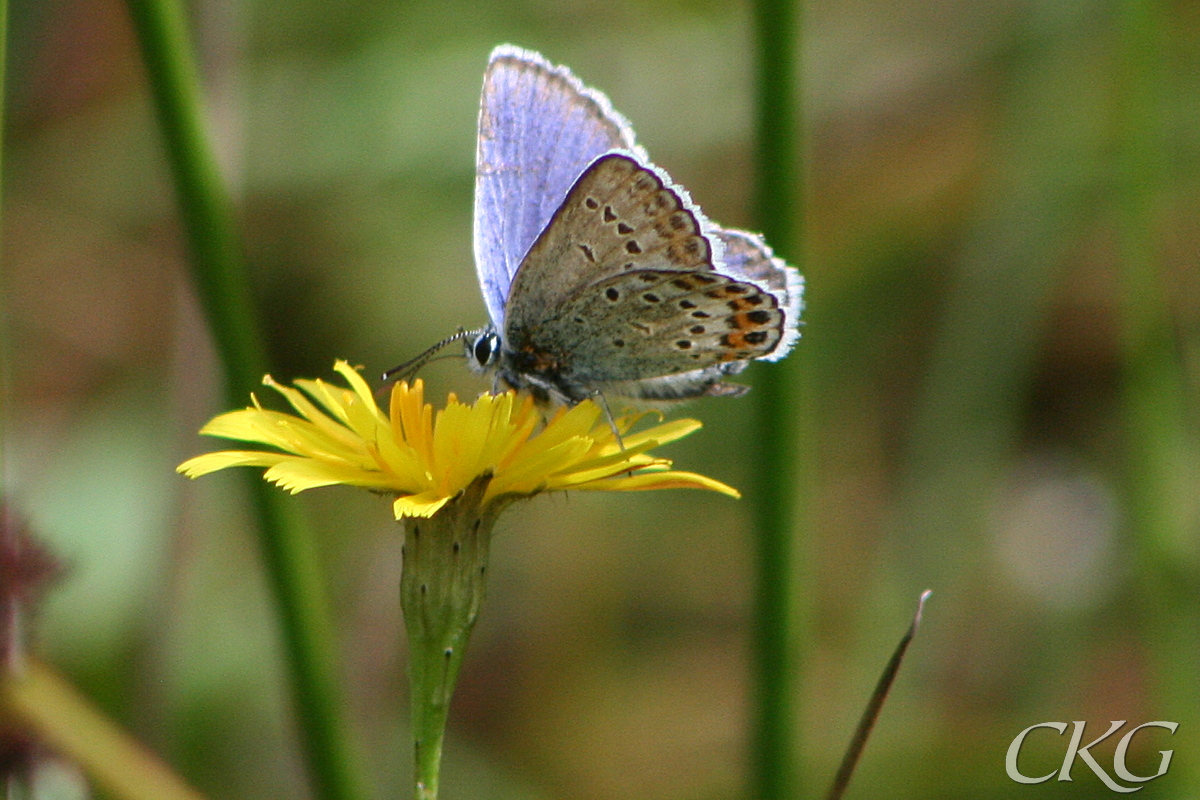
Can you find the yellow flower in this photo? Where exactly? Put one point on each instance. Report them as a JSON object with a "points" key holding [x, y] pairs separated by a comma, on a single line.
{"points": [[341, 436]]}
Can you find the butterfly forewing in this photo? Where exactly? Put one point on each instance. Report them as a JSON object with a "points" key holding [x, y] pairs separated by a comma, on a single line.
{"points": [[619, 217], [539, 127]]}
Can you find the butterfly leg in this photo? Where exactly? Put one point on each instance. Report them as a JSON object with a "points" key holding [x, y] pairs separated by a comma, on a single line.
{"points": [[612, 422]]}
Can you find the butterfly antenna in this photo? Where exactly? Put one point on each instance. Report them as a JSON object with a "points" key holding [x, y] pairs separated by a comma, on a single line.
{"points": [[412, 366]]}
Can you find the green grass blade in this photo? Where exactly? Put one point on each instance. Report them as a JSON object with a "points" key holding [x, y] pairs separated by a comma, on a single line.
{"points": [[5, 361], [1156, 474], [211, 232], [780, 415]]}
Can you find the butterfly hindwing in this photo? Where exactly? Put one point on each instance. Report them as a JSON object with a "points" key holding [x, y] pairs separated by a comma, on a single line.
{"points": [[647, 324], [747, 257]]}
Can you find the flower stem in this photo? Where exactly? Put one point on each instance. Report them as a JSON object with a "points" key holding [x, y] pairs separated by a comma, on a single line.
{"points": [[442, 585]]}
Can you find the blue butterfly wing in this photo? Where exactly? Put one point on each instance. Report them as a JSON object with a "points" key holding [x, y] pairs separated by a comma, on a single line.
{"points": [[539, 128], [747, 257]]}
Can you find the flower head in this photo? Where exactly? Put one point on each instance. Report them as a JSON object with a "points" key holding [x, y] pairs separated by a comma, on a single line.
{"points": [[339, 435]]}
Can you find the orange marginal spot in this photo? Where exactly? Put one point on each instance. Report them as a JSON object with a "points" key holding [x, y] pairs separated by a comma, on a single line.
{"points": [[746, 320], [739, 321], [742, 341], [735, 340]]}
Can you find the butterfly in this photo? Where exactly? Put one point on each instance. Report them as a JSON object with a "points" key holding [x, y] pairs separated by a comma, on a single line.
{"points": [[600, 275]]}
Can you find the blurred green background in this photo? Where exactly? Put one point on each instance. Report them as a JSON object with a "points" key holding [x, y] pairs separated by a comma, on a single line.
{"points": [[1002, 339]]}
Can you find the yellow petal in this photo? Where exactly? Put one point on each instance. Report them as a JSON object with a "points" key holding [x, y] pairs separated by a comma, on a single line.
{"points": [[665, 433], [296, 473], [660, 480], [295, 435], [329, 428], [360, 387], [211, 462], [361, 416], [419, 505], [597, 468], [530, 474], [412, 420], [338, 434]]}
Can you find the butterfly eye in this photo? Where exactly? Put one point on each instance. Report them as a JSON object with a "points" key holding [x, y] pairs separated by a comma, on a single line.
{"points": [[485, 348]]}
